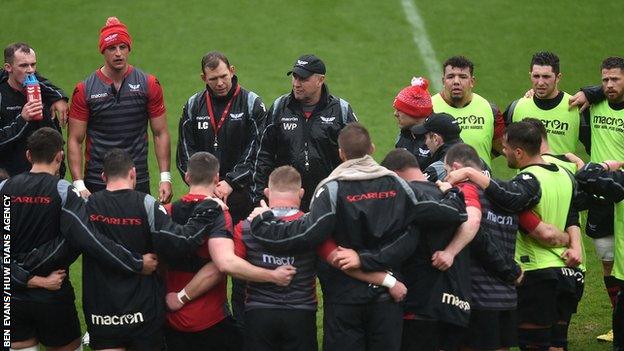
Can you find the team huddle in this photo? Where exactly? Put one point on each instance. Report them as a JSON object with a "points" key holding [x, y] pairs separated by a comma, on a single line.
{"points": [[426, 250]]}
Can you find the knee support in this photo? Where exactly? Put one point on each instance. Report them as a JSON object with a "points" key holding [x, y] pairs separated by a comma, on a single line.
{"points": [[559, 336], [534, 339]]}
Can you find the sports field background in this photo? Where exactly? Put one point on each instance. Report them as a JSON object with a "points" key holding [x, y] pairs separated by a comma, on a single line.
{"points": [[368, 47]]}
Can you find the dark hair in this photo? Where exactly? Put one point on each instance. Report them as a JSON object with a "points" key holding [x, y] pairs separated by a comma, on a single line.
{"points": [[212, 59], [354, 141], [459, 62], [525, 136], [3, 174], [202, 168], [545, 58], [9, 51], [285, 178], [538, 125], [44, 144], [613, 62], [464, 154], [117, 163], [400, 159]]}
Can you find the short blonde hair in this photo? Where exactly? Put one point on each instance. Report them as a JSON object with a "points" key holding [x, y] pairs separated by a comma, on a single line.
{"points": [[285, 179]]}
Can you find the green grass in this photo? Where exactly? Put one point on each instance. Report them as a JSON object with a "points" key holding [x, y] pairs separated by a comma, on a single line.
{"points": [[367, 46]]}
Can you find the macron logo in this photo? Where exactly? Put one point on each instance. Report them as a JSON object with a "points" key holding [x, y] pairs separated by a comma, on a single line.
{"points": [[453, 300], [111, 37], [100, 95], [302, 63], [117, 320]]}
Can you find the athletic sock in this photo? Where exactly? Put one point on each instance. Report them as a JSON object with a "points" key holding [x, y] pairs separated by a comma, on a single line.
{"points": [[613, 287], [534, 339], [618, 323]]}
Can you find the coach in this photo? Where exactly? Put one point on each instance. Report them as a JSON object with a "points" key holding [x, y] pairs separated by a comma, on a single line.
{"points": [[302, 130]]}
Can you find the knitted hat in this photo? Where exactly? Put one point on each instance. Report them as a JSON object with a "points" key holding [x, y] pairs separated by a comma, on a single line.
{"points": [[113, 33], [415, 100]]}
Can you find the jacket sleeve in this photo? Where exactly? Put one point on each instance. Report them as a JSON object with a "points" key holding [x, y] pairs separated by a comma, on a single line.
{"points": [[351, 117], [13, 131], [19, 275], [595, 180], [520, 193], [187, 145], [451, 209], [173, 239], [49, 256], [76, 227], [585, 131], [305, 233], [240, 175], [392, 254], [49, 91], [508, 114], [485, 250], [265, 158], [594, 94]]}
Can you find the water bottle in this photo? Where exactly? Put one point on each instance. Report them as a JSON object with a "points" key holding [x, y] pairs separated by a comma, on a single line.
{"points": [[33, 93]]}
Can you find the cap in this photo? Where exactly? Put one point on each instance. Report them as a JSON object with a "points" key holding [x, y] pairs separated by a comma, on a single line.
{"points": [[440, 123], [414, 100], [306, 65]]}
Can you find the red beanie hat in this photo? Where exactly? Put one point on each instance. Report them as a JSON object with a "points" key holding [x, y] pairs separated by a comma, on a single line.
{"points": [[113, 33], [415, 100]]}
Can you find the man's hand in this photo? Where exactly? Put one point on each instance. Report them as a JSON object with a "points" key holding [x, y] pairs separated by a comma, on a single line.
{"points": [[529, 94], [150, 263], [223, 190], [573, 257], [224, 207], [579, 99], [398, 291], [612, 165], [575, 159], [457, 176], [283, 275], [164, 192], [85, 194], [442, 260], [346, 259], [60, 110], [52, 282], [443, 186], [258, 210], [520, 278], [31, 109], [173, 303]]}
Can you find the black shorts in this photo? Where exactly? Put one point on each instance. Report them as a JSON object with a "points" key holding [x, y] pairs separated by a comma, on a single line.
{"points": [[427, 335], [221, 336], [492, 329], [599, 220], [375, 326], [268, 329], [549, 295], [53, 324], [153, 342]]}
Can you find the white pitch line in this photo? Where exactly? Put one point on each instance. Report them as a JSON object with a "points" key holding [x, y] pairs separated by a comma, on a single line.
{"points": [[421, 39]]}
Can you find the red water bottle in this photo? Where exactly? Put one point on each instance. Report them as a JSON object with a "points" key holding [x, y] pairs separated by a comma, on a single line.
{"points": [[33, 93]]}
